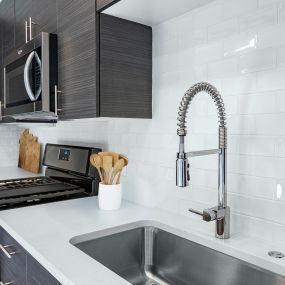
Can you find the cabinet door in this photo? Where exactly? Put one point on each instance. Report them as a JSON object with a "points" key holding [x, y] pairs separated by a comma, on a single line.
{"points": [[44, 16], [37, 274], [23, 10], [7, 16], [125, 68], [1, 68], [77, 59], [12, 269]]}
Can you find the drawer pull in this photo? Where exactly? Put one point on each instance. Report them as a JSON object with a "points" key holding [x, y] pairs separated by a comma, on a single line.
{"points": [[8, 254], [7, 283]]}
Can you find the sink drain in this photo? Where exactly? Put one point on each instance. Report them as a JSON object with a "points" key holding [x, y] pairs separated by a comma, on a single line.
{"points": [[276, 254]]}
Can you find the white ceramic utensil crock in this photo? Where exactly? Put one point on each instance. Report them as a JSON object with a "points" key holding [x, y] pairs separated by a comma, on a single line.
{"points": [[110, 196]]}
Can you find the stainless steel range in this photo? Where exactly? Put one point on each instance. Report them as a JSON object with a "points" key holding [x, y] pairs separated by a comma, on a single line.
{"points": [[68, 175]]}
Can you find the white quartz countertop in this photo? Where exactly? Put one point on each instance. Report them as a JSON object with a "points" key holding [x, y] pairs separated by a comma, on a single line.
{"points": [[13, 172], [45, 231]]}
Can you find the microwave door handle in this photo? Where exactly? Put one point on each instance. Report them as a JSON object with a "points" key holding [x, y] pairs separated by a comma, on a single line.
{"points": [[39, 90], [27, 76]]}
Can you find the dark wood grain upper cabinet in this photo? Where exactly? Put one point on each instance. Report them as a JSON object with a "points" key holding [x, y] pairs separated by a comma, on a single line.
{"points": [[23, 10], [44, 15], [77, 55], [1, 68], [103, 4], [125, 68], [7, 17]]}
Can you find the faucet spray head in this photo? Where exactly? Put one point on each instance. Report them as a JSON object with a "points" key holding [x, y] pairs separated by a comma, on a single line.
{"points": [[182, 166], [182, 172]]}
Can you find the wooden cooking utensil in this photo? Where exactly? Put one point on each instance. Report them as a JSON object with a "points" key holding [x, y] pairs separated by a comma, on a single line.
{"points": [[29, 152], [117, 168], [96, 161], [126, 160], [107, 166], [114, 155], [121, 156]]}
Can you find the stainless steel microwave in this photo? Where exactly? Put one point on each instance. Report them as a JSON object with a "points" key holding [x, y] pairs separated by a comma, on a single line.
{"points": [[30, 80]]}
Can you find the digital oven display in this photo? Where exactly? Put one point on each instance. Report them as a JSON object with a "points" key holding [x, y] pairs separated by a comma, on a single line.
{"points": [[64, 154]]}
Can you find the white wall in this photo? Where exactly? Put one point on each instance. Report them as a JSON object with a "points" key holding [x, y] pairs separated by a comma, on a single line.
{"points": [[239, 46]]}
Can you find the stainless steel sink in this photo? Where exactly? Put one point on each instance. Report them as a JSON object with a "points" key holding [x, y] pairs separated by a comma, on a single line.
{"points": [[149, 255]]}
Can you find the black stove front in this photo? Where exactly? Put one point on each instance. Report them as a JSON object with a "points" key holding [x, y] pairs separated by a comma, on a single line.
{"points": [[68, 175]]}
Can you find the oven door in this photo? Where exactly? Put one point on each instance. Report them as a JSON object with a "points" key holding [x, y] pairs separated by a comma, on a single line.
{"points": [[23, 83]]}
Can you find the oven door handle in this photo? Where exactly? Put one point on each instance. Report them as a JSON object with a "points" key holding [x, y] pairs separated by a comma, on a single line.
{"points": [[28, 63]]}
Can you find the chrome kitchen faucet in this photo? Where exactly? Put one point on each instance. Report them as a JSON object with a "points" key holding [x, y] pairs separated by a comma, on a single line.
{"points": [[220, 213]]}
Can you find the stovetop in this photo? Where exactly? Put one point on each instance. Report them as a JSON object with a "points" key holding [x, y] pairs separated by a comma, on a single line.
{"points": [[68, 175], [34, 188]]}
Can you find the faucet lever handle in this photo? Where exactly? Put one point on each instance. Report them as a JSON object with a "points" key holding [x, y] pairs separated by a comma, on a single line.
{"points": [[208, 215], [196, 212]]}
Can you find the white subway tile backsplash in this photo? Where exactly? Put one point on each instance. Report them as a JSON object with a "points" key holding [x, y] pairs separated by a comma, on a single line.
{"points": [[280, 101], [281, 56], [222, 30], [240, 44], [272, 36], [257, 60], [240, 84], [258, 19], [256, 103], [232, 8], [262, 3], [237, 46], [223, 68], [280, 147], [256, 145], [281, 12], [209, 52], [271, 79]]}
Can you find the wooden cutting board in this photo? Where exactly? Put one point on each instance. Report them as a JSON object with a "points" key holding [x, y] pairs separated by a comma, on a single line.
{"points": [[30, 152]]}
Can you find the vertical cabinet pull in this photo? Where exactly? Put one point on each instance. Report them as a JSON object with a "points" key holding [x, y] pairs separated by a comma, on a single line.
{"points": [[4, 249], [26, 35], [56, 92], [30, 26], [29, 31]]}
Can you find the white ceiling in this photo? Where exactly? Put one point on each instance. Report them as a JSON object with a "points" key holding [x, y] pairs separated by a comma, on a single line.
{"points": [[153, 12]]}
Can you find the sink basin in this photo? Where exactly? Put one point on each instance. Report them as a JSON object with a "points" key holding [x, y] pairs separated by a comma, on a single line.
{"points": [[144, 254]]}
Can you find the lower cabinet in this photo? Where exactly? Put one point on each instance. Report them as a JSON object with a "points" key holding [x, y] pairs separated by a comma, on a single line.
{"points": [[18, 267]]}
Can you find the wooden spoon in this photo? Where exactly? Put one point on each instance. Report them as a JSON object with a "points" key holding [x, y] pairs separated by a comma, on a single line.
{"points": [[126, 160], [96, 161], [117, 168], [107, 166], [121, 156], [114, 155]]}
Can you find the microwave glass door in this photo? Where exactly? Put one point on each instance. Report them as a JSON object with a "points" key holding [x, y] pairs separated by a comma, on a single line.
{"points": [[23, 80]]}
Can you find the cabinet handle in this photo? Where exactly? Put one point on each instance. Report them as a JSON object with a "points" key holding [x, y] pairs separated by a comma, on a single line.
{"points": [[30, 25], [29, 35], [7, 283], [5, 251], [26, 35], [56, 92]]}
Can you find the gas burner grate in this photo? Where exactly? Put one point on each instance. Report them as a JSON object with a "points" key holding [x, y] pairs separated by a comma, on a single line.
{"points": [[34, 188], [26, 182]]}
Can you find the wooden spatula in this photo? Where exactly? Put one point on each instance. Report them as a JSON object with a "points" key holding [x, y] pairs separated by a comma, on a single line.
{"points": [[114, 155], [117, 168], [96, 161], [107, 166]]}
